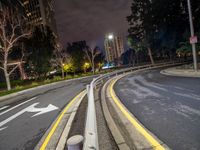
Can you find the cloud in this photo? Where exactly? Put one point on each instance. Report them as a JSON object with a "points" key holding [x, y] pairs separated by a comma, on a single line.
{"points": [[91, 19]]}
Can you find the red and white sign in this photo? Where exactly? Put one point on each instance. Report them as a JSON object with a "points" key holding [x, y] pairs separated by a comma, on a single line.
{"points": [[193, 39]]}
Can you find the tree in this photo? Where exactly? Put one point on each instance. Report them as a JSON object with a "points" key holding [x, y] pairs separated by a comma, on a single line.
{"points": [[160, 25], [11, 31], [185, 49], [142, 25], [91, 54], [40, 49], [137, 46], [60, 57], [76, 52], [68, 66]]}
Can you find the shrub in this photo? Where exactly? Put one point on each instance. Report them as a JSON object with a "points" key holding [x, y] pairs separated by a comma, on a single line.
{"points": [[57, 78], [18, 87], [34, 84], [47, 81]]}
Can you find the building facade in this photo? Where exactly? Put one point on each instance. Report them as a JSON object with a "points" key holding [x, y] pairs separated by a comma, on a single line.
{"points": [[114, 47], [13, 5], [40, 12]]}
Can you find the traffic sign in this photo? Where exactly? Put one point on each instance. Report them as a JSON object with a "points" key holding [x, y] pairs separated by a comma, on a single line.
{"points": [[193, 39]]}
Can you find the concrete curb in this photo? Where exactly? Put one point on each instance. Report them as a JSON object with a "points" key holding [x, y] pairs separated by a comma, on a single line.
{"points": [[3, 98], [64, 136], [133, 135], [174, 74], [70, 115], [119, 139]]}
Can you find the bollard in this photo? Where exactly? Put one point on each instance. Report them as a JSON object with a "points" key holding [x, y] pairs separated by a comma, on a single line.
{"points": [[75, 142]]}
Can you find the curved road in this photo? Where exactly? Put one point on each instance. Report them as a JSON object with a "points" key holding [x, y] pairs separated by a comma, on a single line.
{"points": [[23, 122], [168, 106]]}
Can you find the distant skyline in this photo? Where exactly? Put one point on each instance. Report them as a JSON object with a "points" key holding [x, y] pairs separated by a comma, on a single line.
{"points": [[90, 20]]}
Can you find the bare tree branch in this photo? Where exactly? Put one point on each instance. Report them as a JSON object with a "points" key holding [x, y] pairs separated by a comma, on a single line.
{"points": [[88, 56], [60, 58], [10, 33], [13, 69], [91, 54], [2, 68]]}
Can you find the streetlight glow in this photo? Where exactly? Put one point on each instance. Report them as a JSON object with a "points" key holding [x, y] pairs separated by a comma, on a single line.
{"points": [[110, 36]]}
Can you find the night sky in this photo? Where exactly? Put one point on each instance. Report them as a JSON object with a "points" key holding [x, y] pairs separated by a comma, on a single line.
{"points": [[90, 20]]}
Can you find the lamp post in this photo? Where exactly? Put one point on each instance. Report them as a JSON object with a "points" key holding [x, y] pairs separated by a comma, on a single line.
{"points": [[192, 36]]}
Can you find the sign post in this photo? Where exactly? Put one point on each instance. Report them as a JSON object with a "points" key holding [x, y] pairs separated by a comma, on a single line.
{"points": [[193, 39]]}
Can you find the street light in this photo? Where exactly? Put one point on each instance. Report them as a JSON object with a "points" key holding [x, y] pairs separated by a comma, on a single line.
{"points": [[110, 36], [192, 36]]}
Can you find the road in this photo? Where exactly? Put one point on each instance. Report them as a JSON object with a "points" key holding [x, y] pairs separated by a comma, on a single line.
{"points": [[168, 106], [23, 122]]}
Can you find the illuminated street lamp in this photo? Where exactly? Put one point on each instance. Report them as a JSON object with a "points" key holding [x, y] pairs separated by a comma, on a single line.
{"points": [[110, 36], [86, 66]]}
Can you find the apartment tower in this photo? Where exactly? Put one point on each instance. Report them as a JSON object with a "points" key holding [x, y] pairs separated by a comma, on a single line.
{"points": [[114, 47], [40, 12]]}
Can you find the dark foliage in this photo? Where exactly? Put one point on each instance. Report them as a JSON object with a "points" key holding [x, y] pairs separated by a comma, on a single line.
{"points": [[162, 24], [40, 50]]}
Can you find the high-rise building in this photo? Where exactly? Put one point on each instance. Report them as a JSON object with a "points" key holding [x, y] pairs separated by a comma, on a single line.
{"points": [[40, 12], [15, 5], [114, 47]]}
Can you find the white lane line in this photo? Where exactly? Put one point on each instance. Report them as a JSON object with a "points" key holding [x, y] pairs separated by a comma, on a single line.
{"points": [[2, 128], [17, 106], [4, 107]]}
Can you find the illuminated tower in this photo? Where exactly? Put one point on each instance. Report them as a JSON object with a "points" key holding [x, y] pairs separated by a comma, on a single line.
{"points": [[40, 12], [114, 47]]}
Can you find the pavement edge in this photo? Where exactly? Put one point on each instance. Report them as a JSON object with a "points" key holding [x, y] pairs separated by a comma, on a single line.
{"points": [[118, 137], [174, 74], [140, 142], [4, 98]]}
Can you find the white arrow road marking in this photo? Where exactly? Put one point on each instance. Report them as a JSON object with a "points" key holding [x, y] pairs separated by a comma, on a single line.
{"points": [[4, 107], [31, 108], [17, 106], [41, 111]]}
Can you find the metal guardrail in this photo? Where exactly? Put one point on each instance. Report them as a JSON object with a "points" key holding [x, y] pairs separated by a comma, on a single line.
{"points": [[91, 135]]}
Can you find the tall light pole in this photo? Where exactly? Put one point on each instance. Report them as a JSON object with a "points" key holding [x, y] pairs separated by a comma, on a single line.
{"points": [[192, 36]]}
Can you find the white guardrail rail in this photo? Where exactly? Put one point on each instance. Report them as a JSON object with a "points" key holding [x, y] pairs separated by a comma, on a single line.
{"points": [[91, 135]]}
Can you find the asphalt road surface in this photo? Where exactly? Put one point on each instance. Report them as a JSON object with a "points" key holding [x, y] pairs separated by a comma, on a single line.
{"points": [[23, 122], [168, 106]]}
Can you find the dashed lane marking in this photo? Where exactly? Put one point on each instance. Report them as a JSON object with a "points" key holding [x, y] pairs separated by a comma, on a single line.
{"points": [[4, 107], [17, 106]]}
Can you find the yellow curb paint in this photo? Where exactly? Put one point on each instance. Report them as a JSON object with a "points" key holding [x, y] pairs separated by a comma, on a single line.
{"points": [[155, 144], [47, 139]]}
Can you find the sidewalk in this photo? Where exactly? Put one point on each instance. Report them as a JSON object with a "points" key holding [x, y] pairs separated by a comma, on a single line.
{"points": [[183, 71]]}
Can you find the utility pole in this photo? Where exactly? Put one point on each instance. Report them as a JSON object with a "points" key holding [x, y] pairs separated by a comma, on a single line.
{"points": [[192, 36]]}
